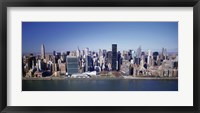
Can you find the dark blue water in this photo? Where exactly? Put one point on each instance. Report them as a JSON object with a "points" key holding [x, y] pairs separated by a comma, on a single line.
{"points": [[100, 85]]}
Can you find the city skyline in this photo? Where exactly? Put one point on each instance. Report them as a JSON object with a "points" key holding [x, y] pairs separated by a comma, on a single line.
{"points": [[68, 36]]}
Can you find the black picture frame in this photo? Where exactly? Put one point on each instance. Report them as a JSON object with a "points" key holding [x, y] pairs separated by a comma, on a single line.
{"points": [[99, 3]]}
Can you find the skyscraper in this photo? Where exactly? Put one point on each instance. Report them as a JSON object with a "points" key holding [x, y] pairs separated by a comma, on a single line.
{"points": [[155, 54], [54, 53], [42, 51], [114, 56], [63, 68], [89, 64], [100, 53], [31, 61], [104, 53], [149, 57], [133, 54], [72, 65], [78, 52], [119, 62], [109, 57], [139, 51], [39, 65], [87, 51]]}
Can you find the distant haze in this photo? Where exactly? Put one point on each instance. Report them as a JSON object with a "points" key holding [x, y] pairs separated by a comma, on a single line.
{"points": [[67, 36]]}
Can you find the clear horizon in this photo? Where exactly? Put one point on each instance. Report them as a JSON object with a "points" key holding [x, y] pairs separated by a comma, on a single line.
{"points": [[51, 52], [68, 36]]}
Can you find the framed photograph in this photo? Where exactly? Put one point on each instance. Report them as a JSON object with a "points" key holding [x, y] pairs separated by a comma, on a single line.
{"points": [[91, 56]]}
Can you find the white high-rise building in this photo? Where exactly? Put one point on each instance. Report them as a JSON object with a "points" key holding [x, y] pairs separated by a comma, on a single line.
{"points": [[139, 51], [42, 51], [142, 61], [133, 53], [39, 65], [101, 60], [87, 51], [165, 53], [78, 52], [149, 57], [100, 53], [82, 52], [33, 64]]}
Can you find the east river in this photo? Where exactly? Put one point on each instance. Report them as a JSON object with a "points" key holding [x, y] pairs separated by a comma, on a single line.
{"points": [[101, 85]]}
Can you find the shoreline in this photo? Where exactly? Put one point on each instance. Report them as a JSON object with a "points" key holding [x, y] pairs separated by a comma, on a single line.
{"points": [[102, 78]]}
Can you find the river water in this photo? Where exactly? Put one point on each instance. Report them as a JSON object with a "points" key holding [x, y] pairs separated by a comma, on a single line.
{"points": [[100, 85]]}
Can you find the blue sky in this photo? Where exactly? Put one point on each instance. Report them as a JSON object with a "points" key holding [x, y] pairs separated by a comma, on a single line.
{"points": [[64, 36]]}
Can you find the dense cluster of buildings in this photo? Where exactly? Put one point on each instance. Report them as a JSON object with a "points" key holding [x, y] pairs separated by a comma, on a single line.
{"points": [[136, 63]]}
